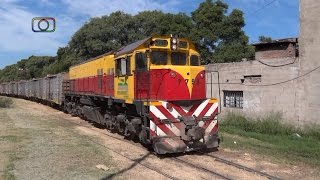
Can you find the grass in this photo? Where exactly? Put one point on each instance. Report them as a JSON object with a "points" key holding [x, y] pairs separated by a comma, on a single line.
{"points": [[54, 143], [5, 102], [8, 173], [268, 136]]}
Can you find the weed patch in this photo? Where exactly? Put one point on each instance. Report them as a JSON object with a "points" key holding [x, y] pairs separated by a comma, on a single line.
{"points": [[5, 102], [267, 135]]}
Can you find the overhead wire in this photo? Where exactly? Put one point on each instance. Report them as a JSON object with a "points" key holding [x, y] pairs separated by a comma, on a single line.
{"points": [[273, 84], [270, 65], [264, 6]]}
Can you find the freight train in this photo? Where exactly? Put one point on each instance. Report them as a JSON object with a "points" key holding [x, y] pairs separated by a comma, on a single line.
{"points": [[153, 90]]}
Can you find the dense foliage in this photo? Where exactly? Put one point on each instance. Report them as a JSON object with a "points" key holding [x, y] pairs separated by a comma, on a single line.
{"points": [[216, 32], [26, 68]]}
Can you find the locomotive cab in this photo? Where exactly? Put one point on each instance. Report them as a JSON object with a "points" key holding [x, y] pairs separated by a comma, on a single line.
{"points": [[169, 72], [170, 78]]}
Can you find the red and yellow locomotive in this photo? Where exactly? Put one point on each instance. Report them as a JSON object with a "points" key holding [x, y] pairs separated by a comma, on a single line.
{"points": [[154, 89]]}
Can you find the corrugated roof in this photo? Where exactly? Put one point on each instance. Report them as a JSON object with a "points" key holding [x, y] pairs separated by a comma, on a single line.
{"points": [[276, 41]]}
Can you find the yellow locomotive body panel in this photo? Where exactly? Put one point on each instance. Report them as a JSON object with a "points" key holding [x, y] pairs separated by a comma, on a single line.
{"points": [[90, 68]]}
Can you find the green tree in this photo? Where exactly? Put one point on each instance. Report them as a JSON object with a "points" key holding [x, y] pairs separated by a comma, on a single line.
{"points": [[106, 33], [32, 67], [219, 36], [100, 35]]}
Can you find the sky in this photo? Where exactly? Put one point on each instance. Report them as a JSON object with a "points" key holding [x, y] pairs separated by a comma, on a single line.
{"points": [[274, 18]]}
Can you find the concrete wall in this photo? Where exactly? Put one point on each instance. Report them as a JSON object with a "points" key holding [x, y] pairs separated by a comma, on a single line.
{"points": [[309, 47], [298, 100], [259, 97]]}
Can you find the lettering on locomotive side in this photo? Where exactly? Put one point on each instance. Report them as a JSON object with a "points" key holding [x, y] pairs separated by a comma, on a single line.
{"points": [[122, 87]]}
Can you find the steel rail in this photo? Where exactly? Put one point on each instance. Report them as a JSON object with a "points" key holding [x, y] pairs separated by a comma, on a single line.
{"points": [[202, 168], [138, 161], [239, 166]]}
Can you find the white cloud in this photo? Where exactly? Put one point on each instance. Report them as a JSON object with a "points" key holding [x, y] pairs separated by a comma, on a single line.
{"points": [[17, 40], [15, 21], [16, 33], [102, 7]]}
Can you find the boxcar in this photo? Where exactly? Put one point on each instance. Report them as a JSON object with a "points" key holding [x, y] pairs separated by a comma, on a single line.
{"points": [[53, 87], [22, 88], [2, 88]]}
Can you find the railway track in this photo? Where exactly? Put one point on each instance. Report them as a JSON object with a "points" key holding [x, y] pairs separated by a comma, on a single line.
{"points": [[176, 159], [181, 161], [239, 166], [138, 161], [202, 168]]}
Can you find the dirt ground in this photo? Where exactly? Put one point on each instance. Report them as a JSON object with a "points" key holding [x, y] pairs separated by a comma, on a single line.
{"points": [[38, 142]]}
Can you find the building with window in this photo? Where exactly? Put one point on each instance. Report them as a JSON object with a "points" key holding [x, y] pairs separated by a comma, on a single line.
{"points": [[284, 78], [257, 87]]}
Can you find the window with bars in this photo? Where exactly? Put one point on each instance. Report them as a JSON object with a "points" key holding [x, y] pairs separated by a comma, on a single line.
{"points": [[233, 99]]}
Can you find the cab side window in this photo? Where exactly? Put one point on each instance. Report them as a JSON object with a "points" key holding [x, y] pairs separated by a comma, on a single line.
{"points": [[128, 65], [123, 66], [118, 67], [141, 62]]}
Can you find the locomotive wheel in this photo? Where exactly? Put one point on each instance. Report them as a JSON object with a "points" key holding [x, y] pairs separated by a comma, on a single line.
{"points": [[69, 108], [130, 136], [79, 112], [108, 122], [121, 127], [74, 110], [64, 107]]}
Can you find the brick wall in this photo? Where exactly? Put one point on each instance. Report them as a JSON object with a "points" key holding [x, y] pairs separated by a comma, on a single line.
{"points": [[278, 50]]}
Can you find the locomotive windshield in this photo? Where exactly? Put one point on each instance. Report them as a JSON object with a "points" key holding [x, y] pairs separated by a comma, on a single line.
{"points": [[159, 57], [194, 60], [178, 58]]}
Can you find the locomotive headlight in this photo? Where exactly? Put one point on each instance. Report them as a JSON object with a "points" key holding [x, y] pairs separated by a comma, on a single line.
{"points": [[174, 47], [174, 41], [201, 75]]}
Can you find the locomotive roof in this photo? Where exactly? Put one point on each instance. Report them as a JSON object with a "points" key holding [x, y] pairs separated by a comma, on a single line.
{"points": [[131, 47], [94, 58], [123, 50]]}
